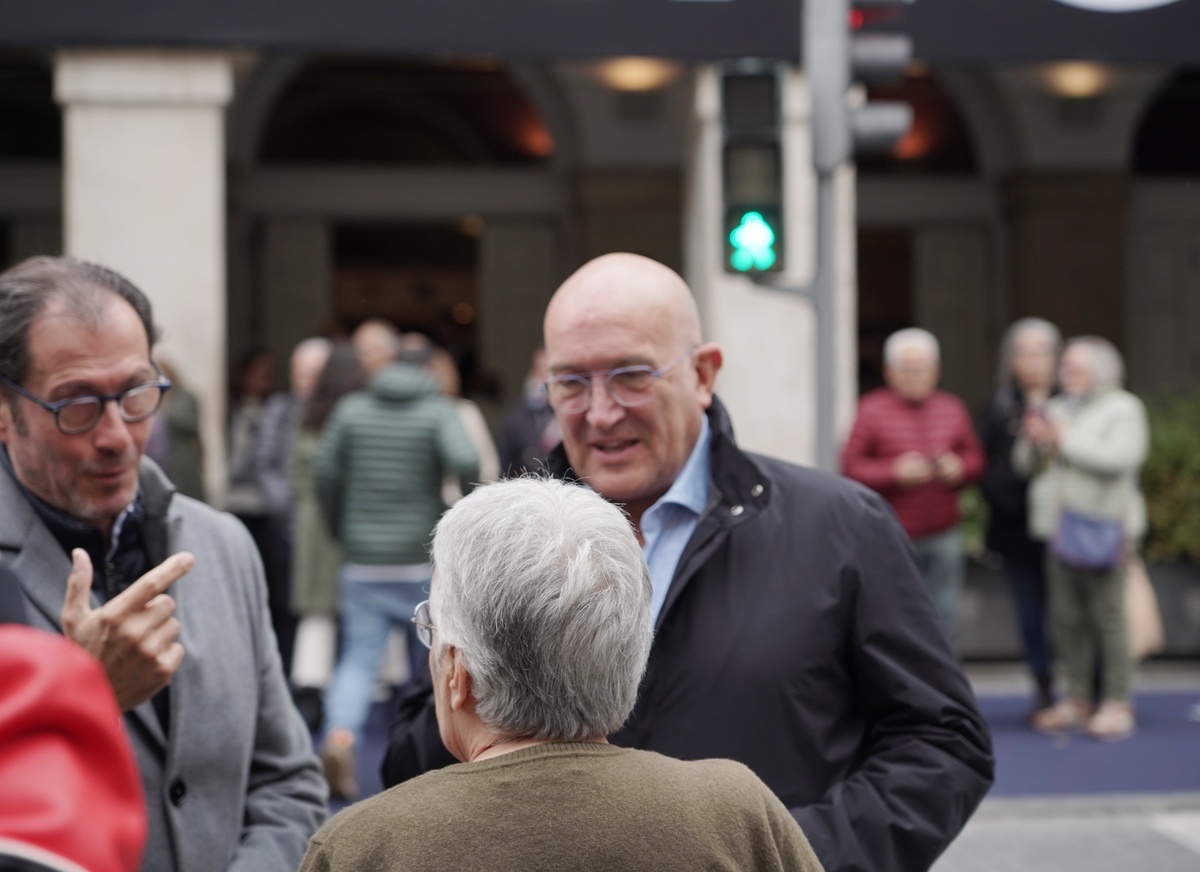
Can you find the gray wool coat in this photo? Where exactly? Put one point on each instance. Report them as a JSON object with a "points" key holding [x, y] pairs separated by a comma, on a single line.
{"points": [[235, 786]]}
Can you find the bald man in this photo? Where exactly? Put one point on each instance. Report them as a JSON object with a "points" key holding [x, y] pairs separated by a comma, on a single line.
{"points": [[793, 632]]}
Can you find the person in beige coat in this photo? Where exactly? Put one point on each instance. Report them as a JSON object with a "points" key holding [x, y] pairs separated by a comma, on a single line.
{"points": [[1087, 450]]}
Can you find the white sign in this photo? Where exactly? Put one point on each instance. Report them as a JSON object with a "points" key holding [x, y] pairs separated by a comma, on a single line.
{"points": [[1117, 5]]}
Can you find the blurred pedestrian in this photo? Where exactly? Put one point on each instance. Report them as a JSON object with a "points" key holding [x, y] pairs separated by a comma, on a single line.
{"points": [[379, 471], [273, 459], [917, 447], [175, 438], [253, 382], [539, 623], [530, 431], [316, 555], [1087, 450], [1026, 378], [443, 368]]}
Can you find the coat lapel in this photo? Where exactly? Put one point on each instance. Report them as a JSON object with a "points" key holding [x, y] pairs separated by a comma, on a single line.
{"points": [[33, 553]]}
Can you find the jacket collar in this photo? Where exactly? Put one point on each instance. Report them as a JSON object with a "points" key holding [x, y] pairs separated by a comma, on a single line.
{"points": [[737, 480], [740, 490]]}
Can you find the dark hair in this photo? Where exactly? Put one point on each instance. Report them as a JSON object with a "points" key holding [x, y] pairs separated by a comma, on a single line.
{"points": [[415, 348], [343, 374], [83, 287]]}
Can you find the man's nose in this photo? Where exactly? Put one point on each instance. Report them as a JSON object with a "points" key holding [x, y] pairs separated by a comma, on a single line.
{"points": [[603, 410], [111, 431]]}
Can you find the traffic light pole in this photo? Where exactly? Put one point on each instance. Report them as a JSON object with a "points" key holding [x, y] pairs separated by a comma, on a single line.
{"points": [[826, 64]]}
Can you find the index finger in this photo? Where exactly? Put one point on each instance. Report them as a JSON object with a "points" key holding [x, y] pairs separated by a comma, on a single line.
{"points": [[134, 598]]}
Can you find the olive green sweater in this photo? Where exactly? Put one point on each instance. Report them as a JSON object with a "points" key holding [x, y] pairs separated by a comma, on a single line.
{"points": [[583, 807]]}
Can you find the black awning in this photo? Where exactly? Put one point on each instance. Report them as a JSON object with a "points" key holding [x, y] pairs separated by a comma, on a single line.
{"points": [[968, 31]]}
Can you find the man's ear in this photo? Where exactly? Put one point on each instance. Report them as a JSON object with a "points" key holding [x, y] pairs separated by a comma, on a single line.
{"points": [[708, 363], [460, 681]]}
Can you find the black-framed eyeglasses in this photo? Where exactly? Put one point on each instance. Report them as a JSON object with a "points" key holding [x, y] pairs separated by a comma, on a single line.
{"points": [[422, 621], [77, 415], [628, 386]]}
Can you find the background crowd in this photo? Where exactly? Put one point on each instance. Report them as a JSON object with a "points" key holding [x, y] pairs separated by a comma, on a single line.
{"points": [[340, 482]]}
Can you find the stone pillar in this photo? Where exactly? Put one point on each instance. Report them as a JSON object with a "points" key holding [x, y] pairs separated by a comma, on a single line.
{"points": [[297, 284], [519, 270], [144, 193], [768, 337]]}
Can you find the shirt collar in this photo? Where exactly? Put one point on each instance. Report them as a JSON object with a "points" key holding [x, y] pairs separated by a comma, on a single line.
{"points": [[72, 533], [690, 488]]}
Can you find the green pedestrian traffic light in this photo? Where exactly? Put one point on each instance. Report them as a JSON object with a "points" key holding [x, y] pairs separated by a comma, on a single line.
{"points": [[752, 167], [753, 242]]}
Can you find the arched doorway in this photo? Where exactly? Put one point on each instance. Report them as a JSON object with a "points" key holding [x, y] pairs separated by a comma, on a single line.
{"points": [[408, 176]]}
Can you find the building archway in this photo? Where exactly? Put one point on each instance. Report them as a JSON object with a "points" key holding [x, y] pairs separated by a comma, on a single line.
{"points": [[393, 188], [925, 226], [1167, 141]]}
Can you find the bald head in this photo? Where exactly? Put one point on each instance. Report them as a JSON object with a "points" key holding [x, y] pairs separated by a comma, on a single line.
{"points": [[627, 286], [624, 311], [308, 359], [376, 342]]}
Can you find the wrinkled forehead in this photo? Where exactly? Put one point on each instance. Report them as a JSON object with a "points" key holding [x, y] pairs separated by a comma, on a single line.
{"points": [[106, 315]]}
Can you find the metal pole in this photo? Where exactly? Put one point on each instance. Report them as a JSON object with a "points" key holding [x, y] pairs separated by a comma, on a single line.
{"points": [[825, 300], [826, 61]]}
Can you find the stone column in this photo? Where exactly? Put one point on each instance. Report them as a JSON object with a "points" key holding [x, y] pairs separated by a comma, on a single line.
{"points": [[297, 284], [144, 193], [519, 270]]}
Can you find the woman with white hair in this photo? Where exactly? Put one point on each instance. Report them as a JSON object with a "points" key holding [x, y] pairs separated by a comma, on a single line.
{"points": [[539, 628], [1086, 503], [1025, 380]]}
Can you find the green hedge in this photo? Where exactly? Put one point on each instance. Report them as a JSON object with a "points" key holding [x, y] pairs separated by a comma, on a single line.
{"points": [[1171, 478]]}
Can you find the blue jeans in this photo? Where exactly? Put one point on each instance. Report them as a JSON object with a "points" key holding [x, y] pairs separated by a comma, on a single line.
{"points": [[369, 610], [1028, 582], [942, 564]]}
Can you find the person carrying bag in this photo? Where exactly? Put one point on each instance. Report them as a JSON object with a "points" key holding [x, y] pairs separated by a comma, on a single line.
{"points": [[1085, 502]]}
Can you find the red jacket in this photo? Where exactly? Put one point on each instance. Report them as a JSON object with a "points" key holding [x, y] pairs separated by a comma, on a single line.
{"points": [[70, 792], [887, 426]]}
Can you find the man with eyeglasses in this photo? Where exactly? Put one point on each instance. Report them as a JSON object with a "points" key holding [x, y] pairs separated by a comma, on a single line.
{"points": [[793, 632], [97, 536]]}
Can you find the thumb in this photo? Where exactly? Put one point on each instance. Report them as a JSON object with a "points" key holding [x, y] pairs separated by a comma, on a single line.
{"points": [[79, 587]]}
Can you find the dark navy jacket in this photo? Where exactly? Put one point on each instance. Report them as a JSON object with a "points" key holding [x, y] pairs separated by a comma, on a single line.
{"points": [[798, 638]]}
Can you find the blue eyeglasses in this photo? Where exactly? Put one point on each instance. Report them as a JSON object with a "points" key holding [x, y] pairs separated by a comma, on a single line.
{"points": [[77, 415]]}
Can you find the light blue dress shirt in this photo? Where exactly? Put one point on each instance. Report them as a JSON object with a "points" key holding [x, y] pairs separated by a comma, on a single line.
{"points": [[669, 523]]}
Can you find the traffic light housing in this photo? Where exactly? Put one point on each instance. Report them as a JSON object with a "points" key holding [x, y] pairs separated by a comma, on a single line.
{"points": [[836, 53], [878, 59], [752, 169]]}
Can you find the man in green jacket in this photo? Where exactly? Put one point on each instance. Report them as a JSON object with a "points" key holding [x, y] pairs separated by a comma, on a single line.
{"points": [[378, 475]]}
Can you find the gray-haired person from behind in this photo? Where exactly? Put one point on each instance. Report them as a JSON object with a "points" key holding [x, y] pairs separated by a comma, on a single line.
{"points": [[539, 627]]}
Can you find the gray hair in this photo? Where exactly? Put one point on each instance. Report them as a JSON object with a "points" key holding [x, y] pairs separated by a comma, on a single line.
{"points": [[1105, 362], [83, 288], [1039, 326], [377, 334], [313, 345], [911, 337], [543, 589]]}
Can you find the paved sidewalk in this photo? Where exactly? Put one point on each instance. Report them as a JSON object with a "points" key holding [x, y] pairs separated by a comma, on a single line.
{"points": [[1114, 833], [1101, 832]]}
